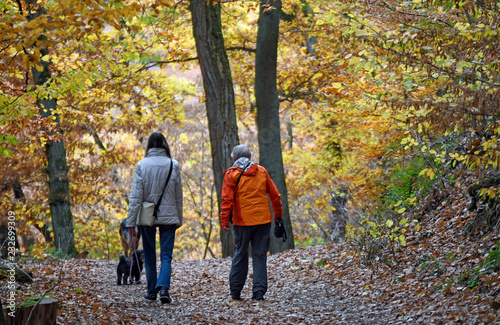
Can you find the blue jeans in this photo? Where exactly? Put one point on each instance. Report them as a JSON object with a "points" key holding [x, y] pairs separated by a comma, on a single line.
{"points": [[258, 236], [167, 239]]}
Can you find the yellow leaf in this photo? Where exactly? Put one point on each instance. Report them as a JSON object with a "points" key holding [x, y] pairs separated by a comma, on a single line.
{"points": [[422, 172]]}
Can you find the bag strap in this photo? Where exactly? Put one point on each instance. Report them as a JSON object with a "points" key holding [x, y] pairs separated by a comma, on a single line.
{"points": [[157, 205], [242, 171], [237, 182]]}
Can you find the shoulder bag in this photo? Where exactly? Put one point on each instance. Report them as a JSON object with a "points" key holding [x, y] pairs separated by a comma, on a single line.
{"points": [[149, 210]]}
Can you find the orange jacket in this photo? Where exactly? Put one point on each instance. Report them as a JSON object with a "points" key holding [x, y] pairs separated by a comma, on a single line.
{"points": [[250, 205]]}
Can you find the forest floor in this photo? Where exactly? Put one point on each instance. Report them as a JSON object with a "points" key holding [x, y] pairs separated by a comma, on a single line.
{"points": [[313, 285], [448, 273]]}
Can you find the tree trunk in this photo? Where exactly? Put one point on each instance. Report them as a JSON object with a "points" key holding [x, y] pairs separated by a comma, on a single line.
{"points": [[2, 315], [57, 168], [268, 119], [339, 216], [219, 94]]}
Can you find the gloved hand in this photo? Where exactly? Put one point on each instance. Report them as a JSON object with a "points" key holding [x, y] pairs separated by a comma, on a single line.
{"points": [[279, 229]]}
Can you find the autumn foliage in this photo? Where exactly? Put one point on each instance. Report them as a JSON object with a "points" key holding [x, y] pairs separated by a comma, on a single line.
{"points": [[389, 119]]}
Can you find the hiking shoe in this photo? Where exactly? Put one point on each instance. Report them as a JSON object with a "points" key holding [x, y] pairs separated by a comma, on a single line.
{"points": [[150, 296], [235, 295], [257, 296], [164, 296]]}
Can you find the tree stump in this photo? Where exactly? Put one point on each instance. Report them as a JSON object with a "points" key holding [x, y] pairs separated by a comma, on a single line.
{"points": [[44, 313]]}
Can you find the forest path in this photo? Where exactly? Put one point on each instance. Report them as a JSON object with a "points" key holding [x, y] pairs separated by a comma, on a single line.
{"points": [[200, 292], [312, 285], [299, 293]]}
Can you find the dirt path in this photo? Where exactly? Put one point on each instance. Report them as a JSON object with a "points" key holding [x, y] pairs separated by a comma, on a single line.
{"points": [[201, 296], [313, 285]]}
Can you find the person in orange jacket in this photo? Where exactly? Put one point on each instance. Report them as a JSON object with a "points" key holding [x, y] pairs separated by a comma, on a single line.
{"points": [[245, 193]]}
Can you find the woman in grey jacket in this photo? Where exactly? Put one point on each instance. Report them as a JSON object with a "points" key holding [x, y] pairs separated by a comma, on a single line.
{"points": [[149, 180]]}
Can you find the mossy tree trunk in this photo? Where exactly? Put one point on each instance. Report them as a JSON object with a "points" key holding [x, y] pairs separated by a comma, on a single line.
{"points": [[57, 168], [268, 119], [219, 94]]}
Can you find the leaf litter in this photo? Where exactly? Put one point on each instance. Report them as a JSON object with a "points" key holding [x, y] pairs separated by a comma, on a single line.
{"points": [[426, 282], [313, 285]]}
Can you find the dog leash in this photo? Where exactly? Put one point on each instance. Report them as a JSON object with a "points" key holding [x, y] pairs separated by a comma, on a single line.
{"points": [[132, 245]]}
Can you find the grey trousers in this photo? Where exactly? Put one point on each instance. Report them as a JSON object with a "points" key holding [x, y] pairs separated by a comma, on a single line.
{"points": [[258, 237]]}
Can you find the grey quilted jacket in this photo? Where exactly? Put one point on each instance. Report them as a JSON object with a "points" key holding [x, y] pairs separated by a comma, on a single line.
{"points": [[149, 180]]}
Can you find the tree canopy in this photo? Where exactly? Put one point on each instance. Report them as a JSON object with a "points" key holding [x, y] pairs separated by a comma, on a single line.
{"points": [[380, 104]]}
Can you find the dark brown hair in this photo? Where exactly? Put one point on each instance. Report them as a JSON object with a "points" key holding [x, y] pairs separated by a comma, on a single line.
{"points": [[157, 140]]}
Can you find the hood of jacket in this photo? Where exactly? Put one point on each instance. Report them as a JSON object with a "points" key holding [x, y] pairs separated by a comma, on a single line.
{"points": [[245, 165]]}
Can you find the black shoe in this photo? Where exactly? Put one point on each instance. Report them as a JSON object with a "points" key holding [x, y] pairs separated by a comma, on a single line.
{"points": [[235, 295], [150, 296], [257, 297], [164, 296]]}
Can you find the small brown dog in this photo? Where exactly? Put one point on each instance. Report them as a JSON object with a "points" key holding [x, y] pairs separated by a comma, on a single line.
{"points": [[125, 238]]}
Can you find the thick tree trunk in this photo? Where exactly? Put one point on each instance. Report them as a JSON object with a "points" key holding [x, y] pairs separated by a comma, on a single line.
{"points": [[219, 94], [268, 119], [57, 168]]}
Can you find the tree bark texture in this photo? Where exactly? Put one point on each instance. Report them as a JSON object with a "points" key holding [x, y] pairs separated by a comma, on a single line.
{"points": [[57, 168], [339, 216], [268, 119], [219, 96]]}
